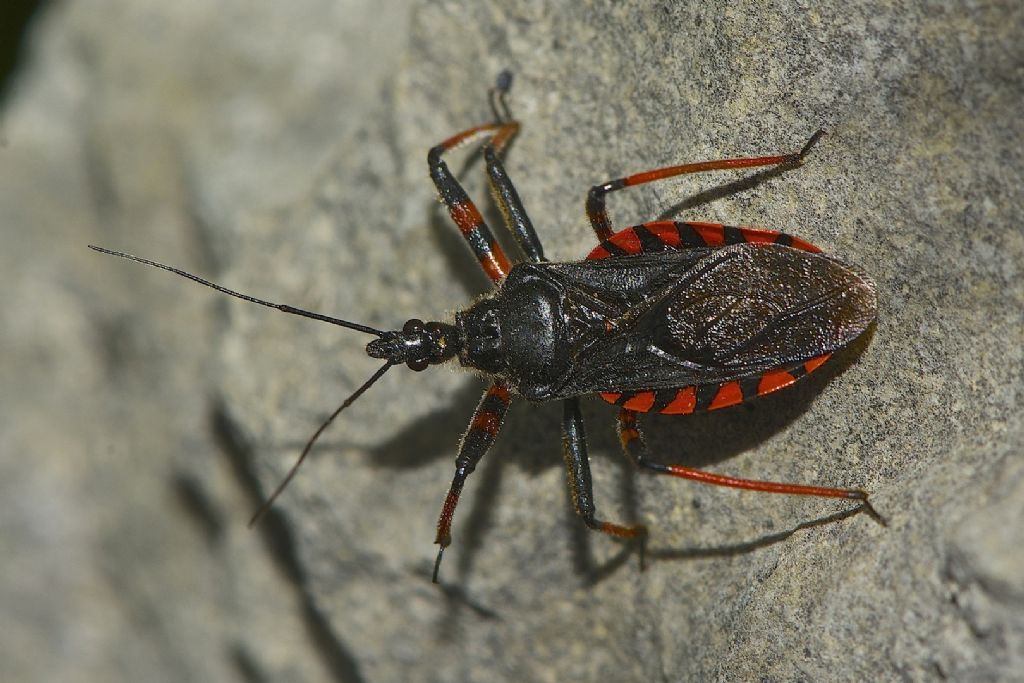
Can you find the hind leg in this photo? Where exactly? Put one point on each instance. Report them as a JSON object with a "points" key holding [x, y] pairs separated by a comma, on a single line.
{"points": [[597, 211], [636, 450]]}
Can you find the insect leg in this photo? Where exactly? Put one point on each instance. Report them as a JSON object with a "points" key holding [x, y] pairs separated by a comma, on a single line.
{"points": [[636, 450], [487, 419], [467, 217], [462, 210], [516, 219], [597, 211], [577, 466]]}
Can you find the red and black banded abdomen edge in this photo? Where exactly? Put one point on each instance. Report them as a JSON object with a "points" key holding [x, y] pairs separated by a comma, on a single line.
{"points": [[703, 397], [670, 235]]}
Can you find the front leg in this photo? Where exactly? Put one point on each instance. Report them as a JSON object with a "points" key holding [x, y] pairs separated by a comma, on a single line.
{"points": [[484, 428], [461, 208]]}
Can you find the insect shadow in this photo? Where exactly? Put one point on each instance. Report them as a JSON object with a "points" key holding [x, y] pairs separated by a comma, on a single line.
{"points": [[531, 438], [747, 182], [276, 533], [712, 437]]}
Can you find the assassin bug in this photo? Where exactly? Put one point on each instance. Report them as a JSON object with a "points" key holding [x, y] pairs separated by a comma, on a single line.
{"points": [[663, 317]]}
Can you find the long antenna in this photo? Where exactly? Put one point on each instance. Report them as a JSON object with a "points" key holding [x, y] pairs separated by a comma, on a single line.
{"points": [[316, 435], [269, 304]]}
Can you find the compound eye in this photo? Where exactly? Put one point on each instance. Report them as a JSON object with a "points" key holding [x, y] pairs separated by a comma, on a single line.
{"points": [[417, 365], [412, 326]]}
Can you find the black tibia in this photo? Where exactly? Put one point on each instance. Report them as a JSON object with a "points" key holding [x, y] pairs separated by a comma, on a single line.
{"points": [[577, 467], [516, 219]]}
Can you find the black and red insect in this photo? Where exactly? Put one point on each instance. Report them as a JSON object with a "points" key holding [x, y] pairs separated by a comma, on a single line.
{"points": [[664, 317]]}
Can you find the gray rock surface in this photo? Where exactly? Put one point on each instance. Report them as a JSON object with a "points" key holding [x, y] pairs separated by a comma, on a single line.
{"points": [[280, 148]]}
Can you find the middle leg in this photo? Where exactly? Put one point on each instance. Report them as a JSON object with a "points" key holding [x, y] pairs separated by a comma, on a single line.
{"points": [[577, 466]]}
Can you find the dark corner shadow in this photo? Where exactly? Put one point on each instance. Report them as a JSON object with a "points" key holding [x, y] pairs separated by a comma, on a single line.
{"points": [[16, 20], [725, 190], [336, 656]]}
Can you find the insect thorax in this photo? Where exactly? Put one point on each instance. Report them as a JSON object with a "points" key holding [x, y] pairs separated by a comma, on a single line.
{"points": [[518, 333]]}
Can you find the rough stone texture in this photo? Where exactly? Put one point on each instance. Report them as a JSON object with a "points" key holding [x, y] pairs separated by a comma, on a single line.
{"points": [[280, 148]]}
